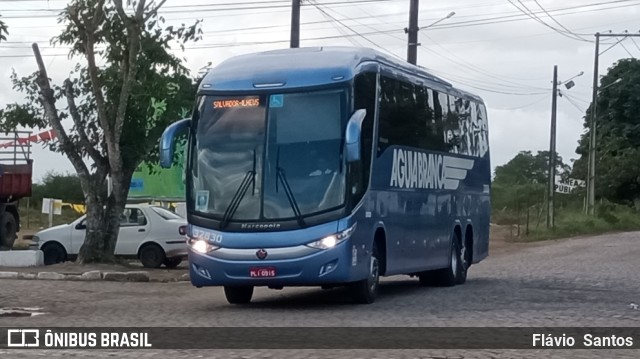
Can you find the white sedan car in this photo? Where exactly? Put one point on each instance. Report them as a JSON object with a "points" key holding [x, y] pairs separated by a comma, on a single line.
{"points": [[152, 234]]}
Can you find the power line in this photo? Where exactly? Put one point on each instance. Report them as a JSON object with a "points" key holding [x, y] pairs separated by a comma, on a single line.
{"points": [[484, 21], [556, 21], [572, 100], [462, 24], [542, 98], [513, 18], [627, 50], [354, 31], [635, 43], [525, 10], [462, 62], [250, 5]]}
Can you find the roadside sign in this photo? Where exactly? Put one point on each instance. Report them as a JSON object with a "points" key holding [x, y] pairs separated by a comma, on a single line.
{"points": [[567, 185]]}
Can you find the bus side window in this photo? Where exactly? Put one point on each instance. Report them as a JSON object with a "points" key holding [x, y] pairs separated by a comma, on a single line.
{"points": [[364, 98], [408, 116]]}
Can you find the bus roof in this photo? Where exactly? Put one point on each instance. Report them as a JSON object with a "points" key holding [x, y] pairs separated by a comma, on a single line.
{"points": [[305, 67]]}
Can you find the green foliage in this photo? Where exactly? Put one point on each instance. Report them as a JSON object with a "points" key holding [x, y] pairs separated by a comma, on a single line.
{"points": [[573, 222], [520, 185], [127, 88], [618, 135], [59, 186], [161, 93], [527, 168], [518, 198]]}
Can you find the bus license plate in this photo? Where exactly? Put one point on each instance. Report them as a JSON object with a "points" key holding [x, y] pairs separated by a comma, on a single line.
{"points": [[262, 272]]}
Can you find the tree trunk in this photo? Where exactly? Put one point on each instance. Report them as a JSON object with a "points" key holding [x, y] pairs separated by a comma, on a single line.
{"points": [[102, 233], [99, 245]]}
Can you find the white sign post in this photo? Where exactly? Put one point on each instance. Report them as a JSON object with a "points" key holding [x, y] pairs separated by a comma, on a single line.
{"points": [[51, 206], [567, 185]]}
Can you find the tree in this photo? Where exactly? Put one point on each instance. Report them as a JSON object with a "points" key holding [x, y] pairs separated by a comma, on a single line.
{"points": [[118, 109], [526, 168], [3, 31], [60, 186], [618, 135], [523, 181]]}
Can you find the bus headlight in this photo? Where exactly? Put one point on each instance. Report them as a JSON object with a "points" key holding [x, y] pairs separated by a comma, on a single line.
{"points": [[201, 246], [333, 240]]}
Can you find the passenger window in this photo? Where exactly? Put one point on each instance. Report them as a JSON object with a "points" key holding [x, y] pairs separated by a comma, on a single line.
{"points": [[133, 217], [407, 117]]}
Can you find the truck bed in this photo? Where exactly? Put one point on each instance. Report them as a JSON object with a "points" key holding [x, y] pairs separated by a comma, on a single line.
{"points": [[15, 180], [16, 166]]}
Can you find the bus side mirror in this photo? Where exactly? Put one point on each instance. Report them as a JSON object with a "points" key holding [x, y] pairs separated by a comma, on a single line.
{"points": [[352, 136], [167, 141]]}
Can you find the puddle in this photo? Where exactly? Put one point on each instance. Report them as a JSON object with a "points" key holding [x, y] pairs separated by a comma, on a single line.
{"points": [[20, 312]]}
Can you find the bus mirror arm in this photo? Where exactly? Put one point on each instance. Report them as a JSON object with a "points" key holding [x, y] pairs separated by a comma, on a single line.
{"points": [[352, 135], [167, 141]]}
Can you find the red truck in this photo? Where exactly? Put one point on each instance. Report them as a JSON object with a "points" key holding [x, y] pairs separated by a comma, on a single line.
{"points": [[16, 168]]}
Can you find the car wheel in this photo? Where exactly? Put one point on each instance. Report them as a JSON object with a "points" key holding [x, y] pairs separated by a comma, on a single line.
{"points": [[238, 295], [152, 256], [54, 253], [172, 262]]}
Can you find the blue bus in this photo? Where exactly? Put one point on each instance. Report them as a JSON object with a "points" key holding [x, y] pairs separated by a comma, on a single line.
{"points": [[331, 167]]}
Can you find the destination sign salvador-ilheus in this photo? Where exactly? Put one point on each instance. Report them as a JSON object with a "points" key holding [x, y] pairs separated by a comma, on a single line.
{"points": [[232, 103]]}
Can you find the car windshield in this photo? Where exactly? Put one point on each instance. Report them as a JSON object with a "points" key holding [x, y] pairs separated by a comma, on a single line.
{"points": [[269, 157]]}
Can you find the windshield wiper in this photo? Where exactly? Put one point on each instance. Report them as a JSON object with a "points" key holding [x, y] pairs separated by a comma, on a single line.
{"points": [[287, 190], [249, 179]]}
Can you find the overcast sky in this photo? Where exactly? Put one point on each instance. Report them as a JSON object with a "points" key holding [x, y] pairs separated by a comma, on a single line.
{"points": [[489, 47]]}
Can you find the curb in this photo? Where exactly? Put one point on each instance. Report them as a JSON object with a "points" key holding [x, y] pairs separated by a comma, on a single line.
{"points": [[135, 276]]}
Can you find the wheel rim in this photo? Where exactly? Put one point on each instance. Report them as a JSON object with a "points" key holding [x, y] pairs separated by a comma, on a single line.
{"points": [[373, 275], [454, 261], [463, 257]]}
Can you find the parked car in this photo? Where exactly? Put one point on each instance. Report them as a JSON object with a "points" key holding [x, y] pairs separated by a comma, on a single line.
{"points": [[152, 234]]}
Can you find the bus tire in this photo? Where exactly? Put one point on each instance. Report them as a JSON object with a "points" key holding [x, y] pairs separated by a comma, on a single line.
{"points": [[445, 277], [366, 290], [449, 276], [238, 295], [464, 260], [172, 263]]}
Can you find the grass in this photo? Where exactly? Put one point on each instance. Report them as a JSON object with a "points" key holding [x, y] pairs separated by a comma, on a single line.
{"points": [[570, 222], [33, 220]]}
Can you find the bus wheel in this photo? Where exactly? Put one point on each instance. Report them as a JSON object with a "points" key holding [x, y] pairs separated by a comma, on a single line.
{"points": [[238, 295], [366, 291], [445, 277], [449, 276], [464, 261]]}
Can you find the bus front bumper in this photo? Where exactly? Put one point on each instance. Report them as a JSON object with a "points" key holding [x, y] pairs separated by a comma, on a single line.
{"points": [[330, 266]]}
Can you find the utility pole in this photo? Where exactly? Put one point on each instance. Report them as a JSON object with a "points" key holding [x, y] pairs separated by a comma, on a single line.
{"points": [[552, 153], [412, 30], [591, 172], [590, 207], [295, 23]]}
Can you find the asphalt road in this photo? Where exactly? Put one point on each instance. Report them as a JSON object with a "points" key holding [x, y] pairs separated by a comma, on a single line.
{"points": [[576, 282]]}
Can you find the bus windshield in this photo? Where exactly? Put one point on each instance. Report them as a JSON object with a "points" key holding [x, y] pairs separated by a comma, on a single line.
{"points": [[269, 157]]}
